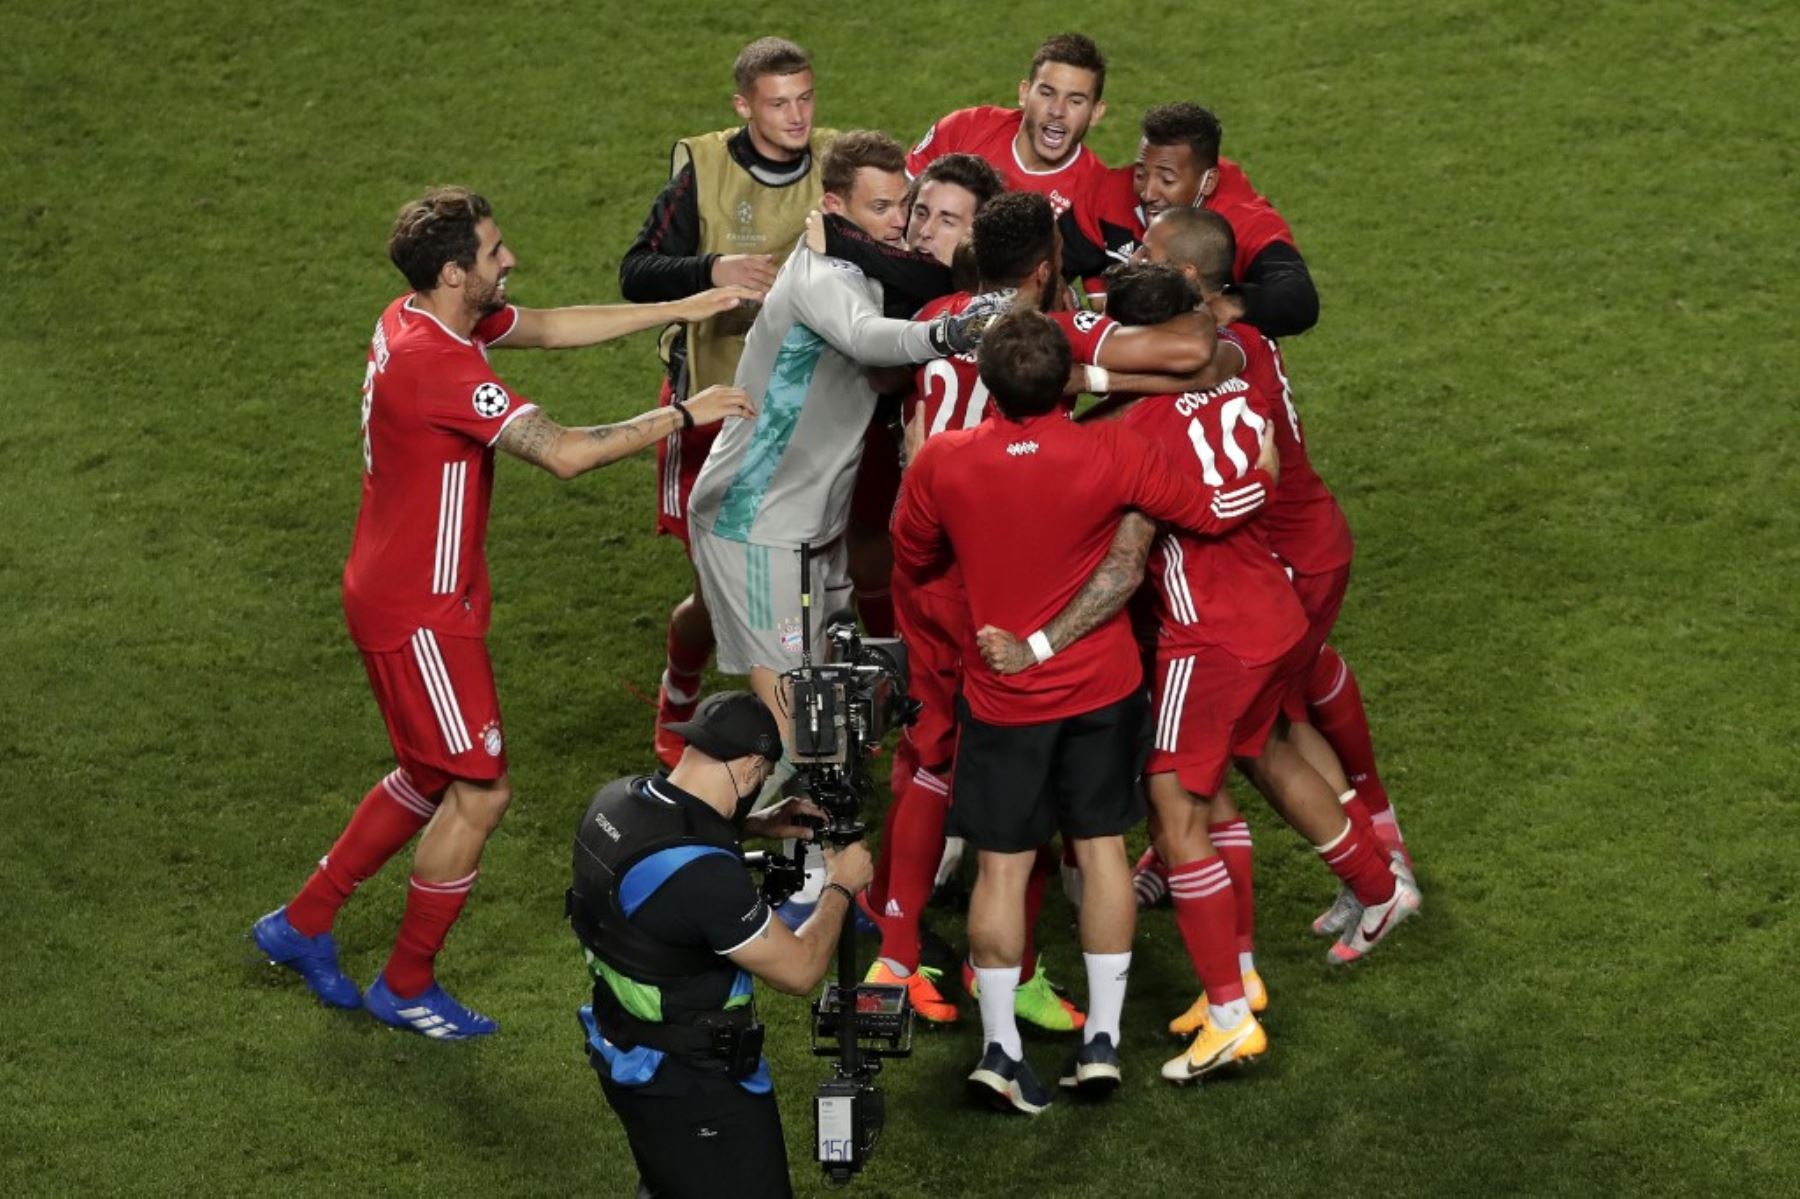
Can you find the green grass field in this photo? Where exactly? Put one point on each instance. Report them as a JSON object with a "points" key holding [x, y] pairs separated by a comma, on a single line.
{"points": [[1556, 247]]}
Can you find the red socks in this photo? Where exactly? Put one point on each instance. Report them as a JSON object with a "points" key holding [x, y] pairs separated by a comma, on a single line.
{"points": [[431, 908], [1206, 912], [388, 817], [910, 851], [1231, 841], [686, 663], [1335, 704], [1355, 858]]}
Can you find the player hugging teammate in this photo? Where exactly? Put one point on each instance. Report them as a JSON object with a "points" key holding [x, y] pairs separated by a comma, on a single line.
{"points": [[1107, 608]]}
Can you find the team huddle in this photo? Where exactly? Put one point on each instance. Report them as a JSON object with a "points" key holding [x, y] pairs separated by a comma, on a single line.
{"points": [[877, 357]]}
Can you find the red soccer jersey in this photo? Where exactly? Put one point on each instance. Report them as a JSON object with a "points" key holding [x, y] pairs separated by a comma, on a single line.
{"points": [[989, 133], [432, 409], [1109, 220], [954, 397], [1303, 523], [951, 389], [1028, 509], [1229, 591]]}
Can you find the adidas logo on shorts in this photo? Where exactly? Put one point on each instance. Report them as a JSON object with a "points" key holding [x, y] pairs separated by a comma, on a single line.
{"points": [[1022, 447]]}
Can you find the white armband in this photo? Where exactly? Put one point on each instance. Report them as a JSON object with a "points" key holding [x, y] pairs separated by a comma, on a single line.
{"points": [[1040, 646], [1098, 381]]}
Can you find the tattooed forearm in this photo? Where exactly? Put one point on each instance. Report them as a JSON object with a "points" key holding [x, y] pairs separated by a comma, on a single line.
{"points": [[628, 437], [1107, 588], [531, 437]]}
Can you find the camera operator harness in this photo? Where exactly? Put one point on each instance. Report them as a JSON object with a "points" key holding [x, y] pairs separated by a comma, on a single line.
{"points": [[627, 827]]}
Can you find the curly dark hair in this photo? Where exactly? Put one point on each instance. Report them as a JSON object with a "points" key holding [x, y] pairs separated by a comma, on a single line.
{"points": [[1185, 124], [1013, 233], [437, 228], [1072, 50], [1144, 293]]}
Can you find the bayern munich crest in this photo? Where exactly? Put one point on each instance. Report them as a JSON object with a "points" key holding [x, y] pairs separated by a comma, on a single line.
{"points": [[491, 400], [490, 736]]}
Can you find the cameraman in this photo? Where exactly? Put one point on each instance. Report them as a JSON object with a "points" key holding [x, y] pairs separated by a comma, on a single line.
{"points": [[673, 927]]}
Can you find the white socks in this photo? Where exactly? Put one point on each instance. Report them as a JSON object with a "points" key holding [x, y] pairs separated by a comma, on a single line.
{"points": [[1246, 963], [1107, 974], [997, 984], [1227, 1016]]}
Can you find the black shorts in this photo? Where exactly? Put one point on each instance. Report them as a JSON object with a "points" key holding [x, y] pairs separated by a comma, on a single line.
{"points": [[1018, 785]]}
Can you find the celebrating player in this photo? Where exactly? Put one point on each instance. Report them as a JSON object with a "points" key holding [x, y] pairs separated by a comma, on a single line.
{"points": [[1016, 250], [416, 592], [781, 482], [1307, 529], [1037, 146], [734, 204], [1052, 748], [1178, 166]]}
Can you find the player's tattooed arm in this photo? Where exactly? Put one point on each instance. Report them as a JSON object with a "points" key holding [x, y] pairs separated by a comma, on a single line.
{"points": [[1118, 576], [567, 453]]}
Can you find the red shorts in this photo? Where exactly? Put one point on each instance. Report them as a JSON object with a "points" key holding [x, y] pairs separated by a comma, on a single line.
{"points": [[932, 623], [1321, 595], [679, 457], [436, 695], [1211, 708], [877, 479]]}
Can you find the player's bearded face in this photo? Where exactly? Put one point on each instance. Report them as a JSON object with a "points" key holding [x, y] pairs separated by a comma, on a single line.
{"points": [[484, 283], [1169, 177], [1059, 105], [779, 112]]}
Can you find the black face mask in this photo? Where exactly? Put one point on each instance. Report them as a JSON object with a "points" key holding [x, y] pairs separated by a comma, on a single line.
{"points": [[744, 802]]}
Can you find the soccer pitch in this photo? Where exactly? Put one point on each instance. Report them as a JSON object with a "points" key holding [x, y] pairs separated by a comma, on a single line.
{"points": [[1556, 250]]}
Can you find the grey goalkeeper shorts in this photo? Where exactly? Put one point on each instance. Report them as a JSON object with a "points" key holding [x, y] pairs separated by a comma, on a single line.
{"points": [[753, 593]]}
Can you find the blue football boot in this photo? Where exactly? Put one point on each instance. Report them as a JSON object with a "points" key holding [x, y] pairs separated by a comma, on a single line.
{"points": [[432, 1013], [314, 959]]}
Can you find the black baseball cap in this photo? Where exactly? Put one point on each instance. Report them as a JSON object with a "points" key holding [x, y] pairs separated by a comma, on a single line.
{"points": [[731, 724]]}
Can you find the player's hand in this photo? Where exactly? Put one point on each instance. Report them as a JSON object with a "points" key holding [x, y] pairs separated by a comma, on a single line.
{"points": [[718, 402], [755, 271], [707, 304], [1226, 308], [960, 332], [850, 866], [815, 231], [795, 816], [1270, 457], [1004, 653]]}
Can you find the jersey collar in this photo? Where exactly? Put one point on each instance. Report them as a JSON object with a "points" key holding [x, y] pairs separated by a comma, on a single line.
{"points": [[434, 320]]}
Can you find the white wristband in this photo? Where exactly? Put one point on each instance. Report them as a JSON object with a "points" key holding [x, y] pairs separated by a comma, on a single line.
{"points": [[1098, 381], [1040, 646]]}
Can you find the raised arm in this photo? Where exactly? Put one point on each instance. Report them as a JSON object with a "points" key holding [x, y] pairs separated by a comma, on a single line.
{"points": [[1118, 576], [568, 452], [831, 304], [1277, 294], [589, 324]]}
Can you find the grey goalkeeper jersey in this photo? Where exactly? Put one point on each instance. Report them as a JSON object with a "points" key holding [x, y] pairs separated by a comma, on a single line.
{"points": [[784, 477]]}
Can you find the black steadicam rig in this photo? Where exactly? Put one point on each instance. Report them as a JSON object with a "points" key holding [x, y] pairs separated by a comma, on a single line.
{"points": [[841, 709]]}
